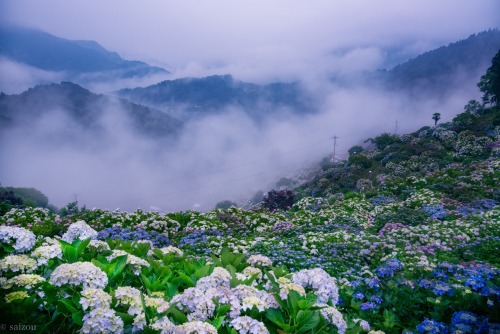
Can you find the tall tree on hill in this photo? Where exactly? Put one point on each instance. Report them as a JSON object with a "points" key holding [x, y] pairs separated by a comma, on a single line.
{"points": [[436, 117], [489, 84]]}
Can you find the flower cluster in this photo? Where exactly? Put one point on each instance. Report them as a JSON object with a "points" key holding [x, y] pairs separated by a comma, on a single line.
{"points": [[321, 282], [24, 239], [84, 274], [79, 230]]}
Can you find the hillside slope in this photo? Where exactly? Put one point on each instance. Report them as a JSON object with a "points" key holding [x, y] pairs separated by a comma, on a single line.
{"points": [[83, 107]]}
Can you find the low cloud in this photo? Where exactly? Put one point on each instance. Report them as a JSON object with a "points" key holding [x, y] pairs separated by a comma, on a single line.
{"points": [[218, 157]]}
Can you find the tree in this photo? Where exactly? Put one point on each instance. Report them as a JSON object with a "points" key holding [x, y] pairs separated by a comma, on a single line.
{"points": [[489, 84], [355, 150], [281, 199], [225, 204], [436, 117]]}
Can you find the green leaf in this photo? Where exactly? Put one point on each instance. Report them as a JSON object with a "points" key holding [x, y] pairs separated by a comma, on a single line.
{"points": [[293, 299], [308, 302], [307, 320], [275, 316], [77, 318], [178, 316], [118, 264], [70, 254], [146, 282], [82, 245], [217, 322], [127, 318], [202, 272], [186, 279], [65, 305], [102, 266], [223, 309]]}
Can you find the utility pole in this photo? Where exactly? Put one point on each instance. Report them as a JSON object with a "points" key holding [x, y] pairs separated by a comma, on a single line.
{"points": [[396, 128], [334, 145]]}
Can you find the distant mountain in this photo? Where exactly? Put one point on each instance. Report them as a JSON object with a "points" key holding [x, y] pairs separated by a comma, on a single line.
{"points": [[84, 108], [438, 70], [48, 52], [214, 93]]}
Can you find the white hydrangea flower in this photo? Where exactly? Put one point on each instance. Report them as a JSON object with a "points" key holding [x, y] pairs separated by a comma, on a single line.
{"points": [[95, 298], [259, 260], [98, 245], [321, 282], [24, 280], [224, 295], [249, 302], [16, 295], [247, 325], [135, 262], [171, 250], [250, 296], [85, 274], [363, 323], [219, 277], [24, 239], [131, 297], [43, 254], [157, 303], [163, 324], [334, 317], [102, 320], [195, 301], [251, 271], [15, 263], [286, 285], [195, 327], [79, 230]]}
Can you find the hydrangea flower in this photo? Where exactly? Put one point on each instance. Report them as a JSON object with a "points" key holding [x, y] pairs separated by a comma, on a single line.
{"points": [[195, 327], [135, 262], [43, 254], [157, 303], [79, 230], [286, 285], [16, 295], [23, 280], [98, 245], [24, 239], [172, 250], [321, 282], [95, 298], [85, 274], [334, 317], [430, 326], [163, 324], [15, 263], [247, 325], [131, 297], [102, 320], [219, 277], [259, 260], [195, 301]]}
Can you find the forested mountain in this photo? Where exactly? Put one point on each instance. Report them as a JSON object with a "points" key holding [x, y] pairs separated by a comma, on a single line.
{"points": [[83, 107], [440, 70], [214, 93], [48, 52]]}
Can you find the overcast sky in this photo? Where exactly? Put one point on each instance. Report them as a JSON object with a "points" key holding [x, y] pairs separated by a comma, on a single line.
{"points": [[257, 39]]}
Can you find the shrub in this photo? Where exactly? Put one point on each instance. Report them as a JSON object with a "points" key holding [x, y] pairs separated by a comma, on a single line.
{"points": [[279, 199]]}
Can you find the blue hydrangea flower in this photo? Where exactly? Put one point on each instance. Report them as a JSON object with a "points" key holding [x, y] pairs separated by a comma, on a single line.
{"points": [[442, 288], [359, 295], [368, 306], [430, 326]]}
